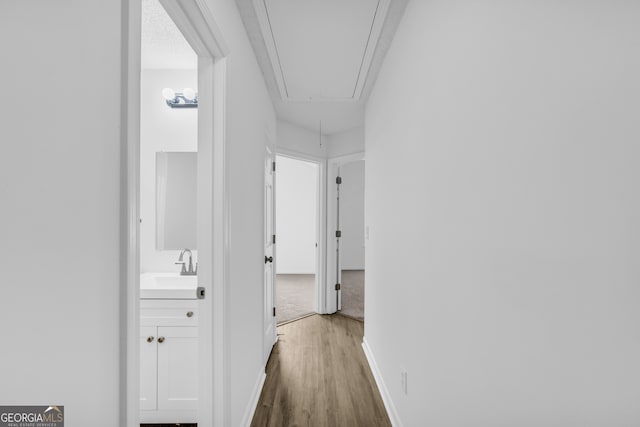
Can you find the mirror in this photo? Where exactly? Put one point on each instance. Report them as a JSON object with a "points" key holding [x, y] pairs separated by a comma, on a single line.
{"points": [[176, 179]]}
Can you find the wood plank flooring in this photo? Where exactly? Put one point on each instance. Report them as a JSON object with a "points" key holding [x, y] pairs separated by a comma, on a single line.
{"points": [[318, 376], [169, 425]]}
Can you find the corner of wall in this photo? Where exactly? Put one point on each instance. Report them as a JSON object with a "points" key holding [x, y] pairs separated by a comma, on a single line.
{"points": [[345, 143]]}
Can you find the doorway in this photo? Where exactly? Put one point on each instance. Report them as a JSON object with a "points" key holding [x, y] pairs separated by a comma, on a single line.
{"points": [[193, 20], [346, 235], [297, 231], [351, 243], [168, 221]]}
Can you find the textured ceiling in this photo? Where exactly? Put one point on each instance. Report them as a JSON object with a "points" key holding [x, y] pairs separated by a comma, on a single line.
{"points": [[163, 46], [308, 30]]}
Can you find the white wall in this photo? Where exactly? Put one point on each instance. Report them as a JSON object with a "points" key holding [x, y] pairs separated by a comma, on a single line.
{"points": [[297, 139], [296, 215], [249, 117], [352, 215], [60, 207], [161, 129], [344, 143], [502, 188], [300, 140]]}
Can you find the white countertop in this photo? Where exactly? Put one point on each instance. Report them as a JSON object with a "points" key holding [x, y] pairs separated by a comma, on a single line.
{"points": [[167, 286]]}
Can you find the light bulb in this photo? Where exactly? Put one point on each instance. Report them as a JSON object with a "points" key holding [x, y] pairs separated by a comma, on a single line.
{"points": [[189, 93], [168, 94]]}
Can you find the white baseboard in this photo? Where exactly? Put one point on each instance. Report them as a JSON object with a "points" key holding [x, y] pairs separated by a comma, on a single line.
{"points": [[386, 397], [164, 416], [253, 403]]}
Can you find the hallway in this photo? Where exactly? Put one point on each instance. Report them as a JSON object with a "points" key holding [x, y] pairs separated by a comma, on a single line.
{"points": [[318, 376]]}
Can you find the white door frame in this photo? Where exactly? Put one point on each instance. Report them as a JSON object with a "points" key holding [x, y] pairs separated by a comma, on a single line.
{"points": [[196, 22], [321, 253], [332, 171]]}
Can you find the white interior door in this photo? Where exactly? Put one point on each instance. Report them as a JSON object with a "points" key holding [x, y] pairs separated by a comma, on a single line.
{"points": [[269, 253], [338, 244]]}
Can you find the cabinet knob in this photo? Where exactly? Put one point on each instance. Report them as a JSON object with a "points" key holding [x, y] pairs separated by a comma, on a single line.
{"points": [[150, 339], [189, 313], [160, 339]]}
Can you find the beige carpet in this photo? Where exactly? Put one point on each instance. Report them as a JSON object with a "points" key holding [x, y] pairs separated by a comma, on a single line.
{"points": [[295, 296], [353, 293]]}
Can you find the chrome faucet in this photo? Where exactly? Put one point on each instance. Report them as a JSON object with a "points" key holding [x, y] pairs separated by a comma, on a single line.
{"points": [[187, 271]]}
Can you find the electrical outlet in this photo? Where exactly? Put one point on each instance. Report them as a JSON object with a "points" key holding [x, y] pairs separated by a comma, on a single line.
{"points": [[403, 381]]}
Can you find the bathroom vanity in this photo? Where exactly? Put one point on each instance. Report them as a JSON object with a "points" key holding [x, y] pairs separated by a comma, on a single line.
{"points": [[168, 301], [168, 348]]}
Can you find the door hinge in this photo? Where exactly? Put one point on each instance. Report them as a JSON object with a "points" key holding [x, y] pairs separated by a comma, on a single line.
{"points": [[338, 180], [337, 286], [274, 239], [273, 166], [200, 292], [274, 312], [338, 233]]}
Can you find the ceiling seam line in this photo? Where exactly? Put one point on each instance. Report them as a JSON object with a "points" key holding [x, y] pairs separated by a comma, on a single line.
{"points": [[364, 54], [275, 45]]}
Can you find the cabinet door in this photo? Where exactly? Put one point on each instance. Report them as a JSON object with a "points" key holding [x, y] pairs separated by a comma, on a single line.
{"points": [[148, 368], [178, 367]]}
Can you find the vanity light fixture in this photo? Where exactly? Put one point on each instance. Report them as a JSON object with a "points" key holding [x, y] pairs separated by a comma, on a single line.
{"points": [[188, 98]]}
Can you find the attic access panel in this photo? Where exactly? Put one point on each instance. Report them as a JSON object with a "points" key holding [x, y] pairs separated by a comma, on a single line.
{"points": [[321, 50]]}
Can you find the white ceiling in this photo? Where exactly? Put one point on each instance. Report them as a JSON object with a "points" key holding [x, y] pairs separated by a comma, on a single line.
{"points": [[321, 57], [163, 46], [319, 46]]}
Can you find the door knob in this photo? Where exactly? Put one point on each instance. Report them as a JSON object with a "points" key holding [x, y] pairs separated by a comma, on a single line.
{"points": [[150, 339], [160, 339], [268, 259]]}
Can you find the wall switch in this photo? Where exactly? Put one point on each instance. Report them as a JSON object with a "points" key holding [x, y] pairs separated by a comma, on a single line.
{"points": [[403, 381]]}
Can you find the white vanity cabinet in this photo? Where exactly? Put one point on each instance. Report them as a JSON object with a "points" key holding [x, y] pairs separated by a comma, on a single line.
{"points": [[168, 361]]}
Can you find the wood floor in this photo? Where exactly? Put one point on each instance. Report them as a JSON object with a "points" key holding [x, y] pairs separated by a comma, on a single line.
{"points": [[318, 376], [169, 425]]}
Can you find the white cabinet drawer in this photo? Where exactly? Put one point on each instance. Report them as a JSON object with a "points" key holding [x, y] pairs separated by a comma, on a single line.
{"points": [[168, 313]]}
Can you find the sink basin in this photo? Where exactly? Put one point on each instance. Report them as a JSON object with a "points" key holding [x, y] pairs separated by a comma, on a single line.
{"points": [[167, 286]]}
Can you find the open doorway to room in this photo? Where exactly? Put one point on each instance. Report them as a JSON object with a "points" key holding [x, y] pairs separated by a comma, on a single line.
{"points": [[180, 326], [351, 241], [169, 312], [297, 231]]}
